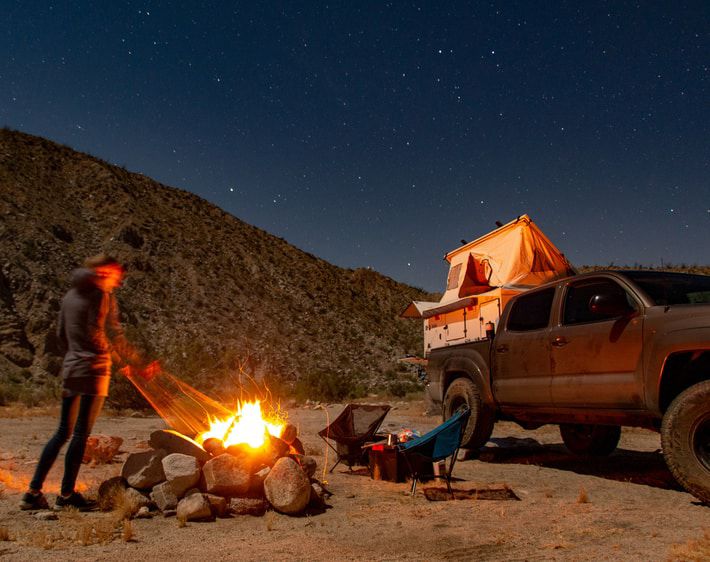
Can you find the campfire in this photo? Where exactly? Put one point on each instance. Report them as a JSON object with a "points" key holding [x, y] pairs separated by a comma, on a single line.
{"points": [[246, 426], [244, 463]]}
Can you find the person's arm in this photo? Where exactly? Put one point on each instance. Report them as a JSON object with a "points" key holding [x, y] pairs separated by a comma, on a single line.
{"points": [[120, 346]]}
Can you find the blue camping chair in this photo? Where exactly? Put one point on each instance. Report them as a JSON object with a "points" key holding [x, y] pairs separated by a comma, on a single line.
{"points": [[441, 442]]}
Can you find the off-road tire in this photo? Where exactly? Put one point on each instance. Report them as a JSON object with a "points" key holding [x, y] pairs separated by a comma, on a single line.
{"points": [[685, 438], [590, 440], [480, 425]]}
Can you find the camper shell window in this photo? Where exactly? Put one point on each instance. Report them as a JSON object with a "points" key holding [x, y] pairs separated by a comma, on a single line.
{"points": [[453, 281]]}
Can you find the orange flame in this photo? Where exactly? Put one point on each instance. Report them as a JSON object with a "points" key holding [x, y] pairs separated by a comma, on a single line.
{"points": [[247, 425]]}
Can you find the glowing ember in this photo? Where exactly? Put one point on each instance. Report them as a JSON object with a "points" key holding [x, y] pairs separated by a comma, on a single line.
{"points": [[247, 426]]}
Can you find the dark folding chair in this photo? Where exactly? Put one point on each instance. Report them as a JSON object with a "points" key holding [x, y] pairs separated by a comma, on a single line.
{"points": [[441, 442], [356, 425]]}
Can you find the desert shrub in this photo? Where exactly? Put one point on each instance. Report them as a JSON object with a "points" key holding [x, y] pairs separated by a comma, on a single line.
{"points": [[329, 386]]}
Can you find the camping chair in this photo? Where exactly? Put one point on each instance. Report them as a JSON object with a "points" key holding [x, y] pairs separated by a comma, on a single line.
{"points": [[441, 442], [356, 424]]}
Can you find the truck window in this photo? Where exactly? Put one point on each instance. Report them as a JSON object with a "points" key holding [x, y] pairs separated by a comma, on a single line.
{"points": [[576, 307], [531, 311]]}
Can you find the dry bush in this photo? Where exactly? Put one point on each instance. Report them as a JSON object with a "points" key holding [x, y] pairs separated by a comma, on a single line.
{"points": [[182, 522], [692, 551], [127, 531], [123, 507], [5, 534], [583, 497]]}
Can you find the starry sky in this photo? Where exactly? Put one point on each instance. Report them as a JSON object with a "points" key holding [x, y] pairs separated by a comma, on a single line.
{"points": [[381, 134]]}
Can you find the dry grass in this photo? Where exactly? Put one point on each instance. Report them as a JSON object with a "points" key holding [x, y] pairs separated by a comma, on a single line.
{"points": [[692, 551], [19, 410], [182, 522], [583, 497], [5, 534], [127, 531]]}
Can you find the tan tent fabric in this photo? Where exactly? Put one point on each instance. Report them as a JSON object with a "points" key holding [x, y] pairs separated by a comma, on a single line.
{"points": [[516, 255]]}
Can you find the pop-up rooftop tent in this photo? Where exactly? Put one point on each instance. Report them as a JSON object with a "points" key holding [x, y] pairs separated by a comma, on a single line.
{"points": [[492, 268]]}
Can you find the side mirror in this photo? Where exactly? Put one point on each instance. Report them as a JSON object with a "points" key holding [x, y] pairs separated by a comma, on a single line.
{"points": [[610, 305]]}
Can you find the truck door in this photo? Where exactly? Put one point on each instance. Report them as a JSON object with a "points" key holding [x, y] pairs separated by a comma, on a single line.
{"points": [[596, 359], [522, 351]]}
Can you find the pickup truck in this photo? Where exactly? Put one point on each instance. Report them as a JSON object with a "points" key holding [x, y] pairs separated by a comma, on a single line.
{"points": [[593, 352]]}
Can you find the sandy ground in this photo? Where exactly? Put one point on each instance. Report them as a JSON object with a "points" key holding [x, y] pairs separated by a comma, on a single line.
{"points": [[624, 507]]}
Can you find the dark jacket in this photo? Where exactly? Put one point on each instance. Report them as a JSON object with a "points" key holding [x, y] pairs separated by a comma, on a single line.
{"points": [[88, 324]]}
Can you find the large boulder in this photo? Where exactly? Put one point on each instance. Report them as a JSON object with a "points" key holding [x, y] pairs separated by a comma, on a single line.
{"points": [[287, 487], [173, 441], [226, 475], [144, 470], [181, 471]]}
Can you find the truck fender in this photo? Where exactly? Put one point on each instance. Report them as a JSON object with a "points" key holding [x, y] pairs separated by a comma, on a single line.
{"points": [[671, 343], [471, 364]]}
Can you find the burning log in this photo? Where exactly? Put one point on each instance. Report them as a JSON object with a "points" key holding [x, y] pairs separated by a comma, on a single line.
{"points": [[214, 446]]}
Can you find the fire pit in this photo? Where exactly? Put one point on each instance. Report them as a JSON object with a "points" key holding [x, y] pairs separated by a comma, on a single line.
{"points": [[243, 464]]}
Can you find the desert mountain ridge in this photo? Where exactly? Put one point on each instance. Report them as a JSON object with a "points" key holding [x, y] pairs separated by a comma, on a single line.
{"points": [[214, 298]]}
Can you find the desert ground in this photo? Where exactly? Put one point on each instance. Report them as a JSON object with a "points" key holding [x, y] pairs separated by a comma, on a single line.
{"points": [[624, 507]]}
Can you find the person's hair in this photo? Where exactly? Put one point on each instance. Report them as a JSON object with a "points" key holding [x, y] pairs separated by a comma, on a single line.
{"points": [[101, 260]]}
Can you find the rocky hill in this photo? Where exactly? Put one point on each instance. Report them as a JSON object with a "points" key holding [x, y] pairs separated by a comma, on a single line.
{"points": [[213, 297]]}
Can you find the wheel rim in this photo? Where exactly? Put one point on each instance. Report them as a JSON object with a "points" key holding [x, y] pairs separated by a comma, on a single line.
{"points": [[701, 441]]}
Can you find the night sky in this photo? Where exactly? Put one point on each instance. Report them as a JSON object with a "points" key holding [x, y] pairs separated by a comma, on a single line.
{"points": [[380, 134]]}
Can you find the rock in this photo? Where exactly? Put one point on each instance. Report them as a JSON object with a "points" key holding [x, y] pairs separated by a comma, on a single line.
{"points": [[192, 491], [181, 471], [319, 494], [46, 516], [134, 500], [164, 497], [144, 470], [143, 513], [287, 487], [194, 508], [226, 475], [308, 464], [256, 482], [248, 506], [100, 449], [170, 513], [109, 492], [175, 442], [218, 504]]}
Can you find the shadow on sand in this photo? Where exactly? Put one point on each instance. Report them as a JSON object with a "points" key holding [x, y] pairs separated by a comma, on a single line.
{"points": [[637, 467]]}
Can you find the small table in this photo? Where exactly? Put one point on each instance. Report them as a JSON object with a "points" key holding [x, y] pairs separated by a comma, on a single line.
{"points": [[385, 463]]}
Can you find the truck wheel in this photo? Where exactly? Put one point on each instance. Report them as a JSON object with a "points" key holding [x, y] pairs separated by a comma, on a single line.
{"points": [[685, 438], [590, 440], [480, 424]]}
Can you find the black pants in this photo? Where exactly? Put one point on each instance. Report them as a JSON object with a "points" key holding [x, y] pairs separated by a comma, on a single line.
{"points": [[78, 415]]}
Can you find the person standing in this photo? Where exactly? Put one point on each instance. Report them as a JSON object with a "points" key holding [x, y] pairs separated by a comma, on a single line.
{"points": [[91, 333]]}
